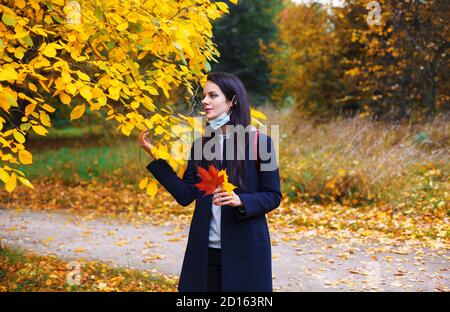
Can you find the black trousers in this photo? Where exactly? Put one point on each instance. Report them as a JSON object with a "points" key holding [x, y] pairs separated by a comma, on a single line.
{"points": [[214, 270]]}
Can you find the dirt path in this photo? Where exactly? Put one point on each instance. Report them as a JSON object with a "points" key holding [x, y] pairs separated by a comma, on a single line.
{"points": [[312, 264]]}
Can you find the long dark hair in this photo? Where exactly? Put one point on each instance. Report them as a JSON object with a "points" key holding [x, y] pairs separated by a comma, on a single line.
{"points": [[231, 86]]}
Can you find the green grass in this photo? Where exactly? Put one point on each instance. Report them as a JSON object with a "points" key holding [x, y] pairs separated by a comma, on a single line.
{"points": [[71, 132], [73, 164]]}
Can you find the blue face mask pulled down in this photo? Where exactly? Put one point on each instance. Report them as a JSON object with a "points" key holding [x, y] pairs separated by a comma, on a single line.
{"points": [[220, 120]]}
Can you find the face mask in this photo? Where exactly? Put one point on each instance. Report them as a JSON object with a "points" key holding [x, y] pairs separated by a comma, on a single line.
{"points": [[220, 120]]}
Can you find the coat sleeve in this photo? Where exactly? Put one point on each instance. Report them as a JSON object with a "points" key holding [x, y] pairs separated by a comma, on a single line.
{"points": [[269, 197], [183, 190]]}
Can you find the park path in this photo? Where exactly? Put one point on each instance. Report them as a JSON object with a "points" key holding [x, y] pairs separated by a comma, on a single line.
{"points": [[311, 264]]}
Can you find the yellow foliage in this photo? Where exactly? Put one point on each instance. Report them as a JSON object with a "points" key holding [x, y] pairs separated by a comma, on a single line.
{"points": [[117, 52]]}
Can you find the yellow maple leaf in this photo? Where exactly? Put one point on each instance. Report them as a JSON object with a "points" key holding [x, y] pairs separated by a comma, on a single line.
{"points": [[227, 186]]}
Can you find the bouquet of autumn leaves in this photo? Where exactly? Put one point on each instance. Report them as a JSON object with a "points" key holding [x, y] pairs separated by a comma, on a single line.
{"points": [[212, 179]]}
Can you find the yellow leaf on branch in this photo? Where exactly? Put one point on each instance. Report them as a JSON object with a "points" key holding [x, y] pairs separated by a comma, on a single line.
{"points": [[40, 130], [29, 109], [4, 176], [48, 108], [45, 119], [19, 136], [25, 157], [32, 87], [8, 73], [222, 7], [65, 98], [122, 26], [26, 182], [83, 76], [12, 183], [152, 188], [143, 183], [77, 112], [49, 51], [86, 57], [86, 93]]}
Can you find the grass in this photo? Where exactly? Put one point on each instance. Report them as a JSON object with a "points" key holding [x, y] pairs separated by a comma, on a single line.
{"points": [[74, 132], [358, 161], [71, 132], [72, 164], [352, 161], [21, 271]]}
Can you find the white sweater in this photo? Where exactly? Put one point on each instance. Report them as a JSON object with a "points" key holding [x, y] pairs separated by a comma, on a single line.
{"points": [[214, 225]]}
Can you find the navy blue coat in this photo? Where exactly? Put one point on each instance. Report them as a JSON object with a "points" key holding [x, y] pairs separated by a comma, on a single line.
{"points": [[245, 241]]}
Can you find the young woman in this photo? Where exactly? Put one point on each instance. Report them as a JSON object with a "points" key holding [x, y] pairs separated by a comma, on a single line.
{"points": [[228, 247]]}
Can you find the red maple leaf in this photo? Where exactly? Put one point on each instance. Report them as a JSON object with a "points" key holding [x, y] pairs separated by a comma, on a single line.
{"points": [[210, 179]]}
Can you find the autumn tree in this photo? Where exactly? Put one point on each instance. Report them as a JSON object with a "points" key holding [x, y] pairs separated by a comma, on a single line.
{"points": [[238, 36], [385, 58], [112, 56], [403, 69], [303, 60]]}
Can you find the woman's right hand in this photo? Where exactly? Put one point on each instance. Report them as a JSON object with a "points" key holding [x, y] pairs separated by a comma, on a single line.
{"points": [[144, 142]]}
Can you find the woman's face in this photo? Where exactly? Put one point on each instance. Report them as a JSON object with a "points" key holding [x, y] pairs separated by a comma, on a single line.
{"points": [[214, 101]]}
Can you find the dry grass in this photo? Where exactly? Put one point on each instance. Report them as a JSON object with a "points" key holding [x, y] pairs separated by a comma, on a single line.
{"points": [[357, 160], [395, 176]]}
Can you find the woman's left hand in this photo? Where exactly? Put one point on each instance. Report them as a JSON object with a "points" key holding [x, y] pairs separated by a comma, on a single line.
{"points": [[223, 198]]}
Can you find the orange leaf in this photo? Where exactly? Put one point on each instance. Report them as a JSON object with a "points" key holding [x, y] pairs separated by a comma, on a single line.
{"points": [[210, 179]]}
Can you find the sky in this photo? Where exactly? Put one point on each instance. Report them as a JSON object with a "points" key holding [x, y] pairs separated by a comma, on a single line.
{"points": [[333, 2]]}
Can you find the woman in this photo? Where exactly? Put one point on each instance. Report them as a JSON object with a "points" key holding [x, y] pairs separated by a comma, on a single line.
{"points": [[228, 247]]}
